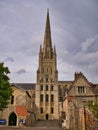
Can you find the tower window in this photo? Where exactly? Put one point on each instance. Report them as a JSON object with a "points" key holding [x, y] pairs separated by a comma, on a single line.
{"points": [[80, 89], [46, 79], [12, 99], [52, 87], [52, 98], [41, 80], [47, 87], [52, 110], [41, 87], [47, 97], [41, 98], [41, 110], [51, 70]]}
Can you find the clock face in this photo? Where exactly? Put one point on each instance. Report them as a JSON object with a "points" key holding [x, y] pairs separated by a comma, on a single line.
{"points": [[20, 100]]}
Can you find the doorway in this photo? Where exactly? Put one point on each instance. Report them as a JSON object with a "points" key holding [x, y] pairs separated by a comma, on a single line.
{"points": [[47, 116], [12, 119]]}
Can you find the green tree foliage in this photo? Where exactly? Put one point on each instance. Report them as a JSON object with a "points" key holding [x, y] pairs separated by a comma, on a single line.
{"points": [[5, 89], [93, 106]]}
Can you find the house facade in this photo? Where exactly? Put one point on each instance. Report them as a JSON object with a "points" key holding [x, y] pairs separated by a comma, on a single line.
{"points": [[74, 106], [20, 110]]}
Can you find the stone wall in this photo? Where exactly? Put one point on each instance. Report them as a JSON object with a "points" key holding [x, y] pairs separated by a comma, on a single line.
{"points": [[91, 121]]}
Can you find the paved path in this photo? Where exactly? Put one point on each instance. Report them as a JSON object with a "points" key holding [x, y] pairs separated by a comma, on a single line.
{"points": [[48, 123], [33, 128], [40, 125]]}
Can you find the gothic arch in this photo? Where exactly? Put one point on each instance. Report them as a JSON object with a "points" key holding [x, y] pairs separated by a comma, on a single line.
{"points": [[12, 119], [47, 116]]}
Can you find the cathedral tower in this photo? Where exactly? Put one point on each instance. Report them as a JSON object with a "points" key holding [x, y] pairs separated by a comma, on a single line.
{"points": [[47, 78]]}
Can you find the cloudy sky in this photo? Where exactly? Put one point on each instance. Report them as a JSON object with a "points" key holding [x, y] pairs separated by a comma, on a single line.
{"points": [[74, 28]]}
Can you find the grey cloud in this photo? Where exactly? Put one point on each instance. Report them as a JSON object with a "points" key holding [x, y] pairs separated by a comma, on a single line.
{"points": [[90, 44], [9, 59], [74, 32], [21, 71]]}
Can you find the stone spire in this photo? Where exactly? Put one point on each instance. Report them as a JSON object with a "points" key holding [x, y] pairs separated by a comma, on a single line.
{"points": [[54, 49], [47, 47]]}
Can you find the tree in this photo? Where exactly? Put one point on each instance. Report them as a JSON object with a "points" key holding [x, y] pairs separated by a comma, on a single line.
{"points": [[5, 88], [93, 106]]}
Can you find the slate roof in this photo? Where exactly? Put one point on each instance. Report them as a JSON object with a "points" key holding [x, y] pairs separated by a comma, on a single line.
{"points": [[25, 86]]}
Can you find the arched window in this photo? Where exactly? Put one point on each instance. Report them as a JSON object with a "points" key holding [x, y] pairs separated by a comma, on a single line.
{"points": [[52, 98], [52, 87], [41, 98], [51, 70], [41, 87], [12, 99], [41, 110], [52, 110], [46, 87], [47, 97]]}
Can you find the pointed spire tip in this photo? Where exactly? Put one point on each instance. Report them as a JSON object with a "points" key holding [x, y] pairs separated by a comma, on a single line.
{"points": [[47, 10]]}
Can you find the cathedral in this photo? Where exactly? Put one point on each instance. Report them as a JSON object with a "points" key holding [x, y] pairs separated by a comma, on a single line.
{"points": [[49, 99]]}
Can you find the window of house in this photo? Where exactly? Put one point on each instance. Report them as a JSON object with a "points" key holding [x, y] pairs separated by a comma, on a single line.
{"points": [[52, 110], [41, 98], [41, 87], [47, 97], [52, 87], [41, 110], [12, 99], [52, 98], [47, 87], [80, 89]]}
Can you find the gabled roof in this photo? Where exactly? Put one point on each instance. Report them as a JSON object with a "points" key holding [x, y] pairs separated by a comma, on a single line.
{"points": [[25, 86]]}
